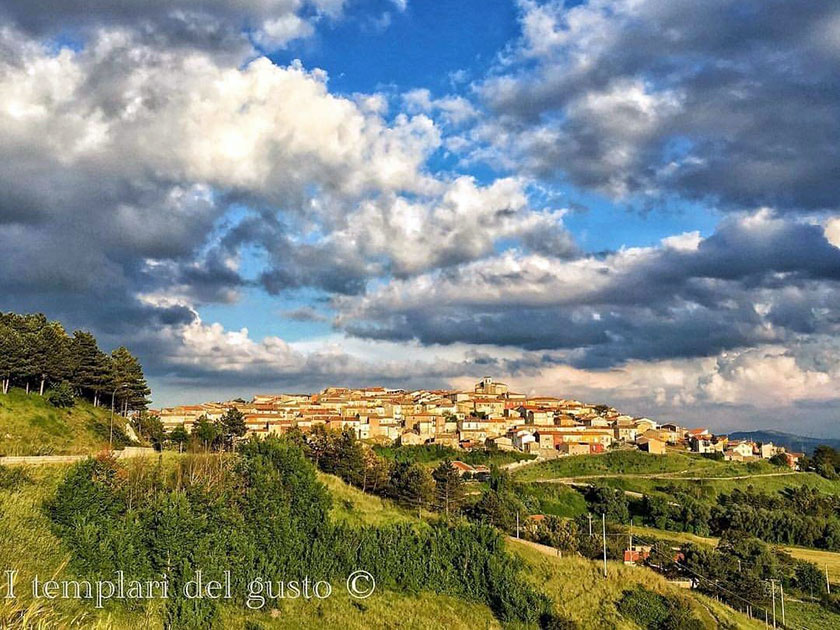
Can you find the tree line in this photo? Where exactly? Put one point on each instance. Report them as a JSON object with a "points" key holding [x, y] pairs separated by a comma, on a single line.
{"points": [[38, 354]]}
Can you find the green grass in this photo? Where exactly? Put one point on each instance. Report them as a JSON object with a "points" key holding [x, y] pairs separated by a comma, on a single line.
{"points": [[386, 610], [434, 454], [30, 425], [581, 592], [555, 499], [616, 463], [808, 615], [575, 584], [353, 507], [710, 489]]}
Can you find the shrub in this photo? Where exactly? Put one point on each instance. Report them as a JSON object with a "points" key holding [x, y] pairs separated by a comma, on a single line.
{"points": [[62, 395], [653, 611]]}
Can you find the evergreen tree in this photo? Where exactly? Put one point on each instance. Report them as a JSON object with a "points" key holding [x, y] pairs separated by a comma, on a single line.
{"points": [[50, 357], [232, 425], [412, 485], [449, 487], [90, 366], [129, 382], [206, 432]]}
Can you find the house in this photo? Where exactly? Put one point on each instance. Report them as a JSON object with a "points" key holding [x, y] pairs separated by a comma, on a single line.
{"points": [[651, 445], [701, 445], [488, 387], [521, 440], [625, 433], [462, 468], [502, 443], [573, 448], [739, 451], [644, 424], [636, 554], [767, 450], [410, 438], [793, 459]]}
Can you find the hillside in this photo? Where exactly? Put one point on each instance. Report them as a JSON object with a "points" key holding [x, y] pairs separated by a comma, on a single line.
{"points": [[30, 425], [576, 585]]}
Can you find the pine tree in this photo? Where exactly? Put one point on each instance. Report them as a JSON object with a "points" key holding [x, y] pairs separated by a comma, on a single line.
{"points": [[449, 487], [50, 356], [232, 425], [129, 382], [90, 366]]}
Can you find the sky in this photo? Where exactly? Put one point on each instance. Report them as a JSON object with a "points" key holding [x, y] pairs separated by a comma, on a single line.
{"points": [[632, 202]]}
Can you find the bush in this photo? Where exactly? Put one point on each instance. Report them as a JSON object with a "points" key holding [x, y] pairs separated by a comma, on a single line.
{"points": [[653, 611], [264, 512], [62, 395]]}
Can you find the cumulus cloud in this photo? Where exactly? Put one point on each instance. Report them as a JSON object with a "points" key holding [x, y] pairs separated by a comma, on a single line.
{"points": [[219, 26], [758, 279], [726, 100]]}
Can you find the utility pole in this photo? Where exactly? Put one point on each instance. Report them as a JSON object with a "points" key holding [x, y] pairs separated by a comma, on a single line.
{"points": [[590, 532], [773, 595], [782, 592], [827, 583], [604, 532]]}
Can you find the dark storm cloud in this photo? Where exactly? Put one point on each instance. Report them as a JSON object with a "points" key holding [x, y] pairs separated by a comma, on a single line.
{"points": [[756, 280], [212, 25], [730, 100]]}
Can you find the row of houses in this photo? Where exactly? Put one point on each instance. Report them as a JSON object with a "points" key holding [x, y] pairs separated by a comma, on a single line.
{"points": [[489, 414]]}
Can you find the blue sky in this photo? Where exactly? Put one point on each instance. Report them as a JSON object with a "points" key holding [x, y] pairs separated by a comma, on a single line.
{"points": [[631, 202]]}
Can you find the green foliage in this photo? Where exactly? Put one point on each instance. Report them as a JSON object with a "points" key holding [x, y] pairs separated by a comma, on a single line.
{"points": [[62, 395], [432, 453], [264, 512], [37, 352], [609, 501], [13, 478], [449, 488], [653, 611]]}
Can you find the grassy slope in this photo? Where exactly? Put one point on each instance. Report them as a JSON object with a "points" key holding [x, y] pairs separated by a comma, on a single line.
{"points": [[575, 584], [30, 425], [638, 463], [582, 593], [26, 544], [354, 507]]}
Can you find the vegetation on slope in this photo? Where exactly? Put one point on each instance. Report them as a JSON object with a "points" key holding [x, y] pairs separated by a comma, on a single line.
{"points": [[31, 425], [632, 462]]}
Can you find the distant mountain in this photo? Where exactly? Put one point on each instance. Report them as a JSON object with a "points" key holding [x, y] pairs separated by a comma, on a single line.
{"points": [[791, 442]]}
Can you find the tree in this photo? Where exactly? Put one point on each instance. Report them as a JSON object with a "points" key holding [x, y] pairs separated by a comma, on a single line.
{"points": [[62, 395], [449, 487], [50, 357], [206, 432], [150, 428], [412, 485], [129, 382], [779, 459], [232, 425], [11, 355], [609, 501], [178, 436], [90, 366]]}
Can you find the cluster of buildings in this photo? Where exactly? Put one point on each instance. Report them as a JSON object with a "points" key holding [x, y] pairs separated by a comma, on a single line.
{"points": [[490, 415]]}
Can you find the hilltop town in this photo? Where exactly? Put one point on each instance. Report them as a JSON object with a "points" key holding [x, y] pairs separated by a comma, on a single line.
{"points": [[489, 416]]}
